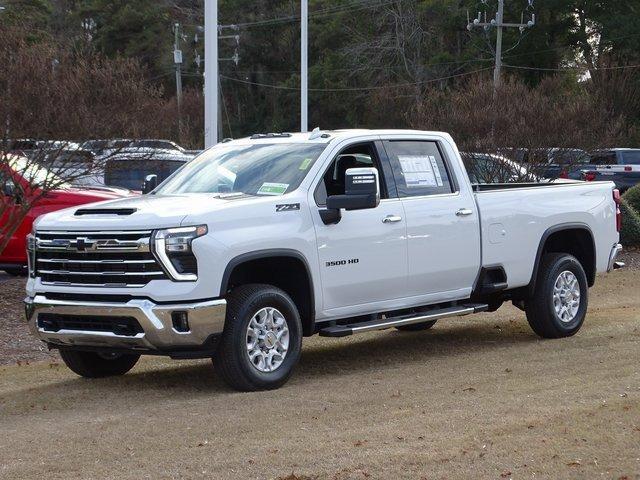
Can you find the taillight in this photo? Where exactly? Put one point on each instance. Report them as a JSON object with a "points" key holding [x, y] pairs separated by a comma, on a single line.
{"points": [[616, 199], [564, 174], [628, 168], [589, 176]]}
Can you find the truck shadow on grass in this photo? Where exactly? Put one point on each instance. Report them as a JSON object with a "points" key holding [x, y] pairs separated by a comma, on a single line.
{"points": [[320, 358]]}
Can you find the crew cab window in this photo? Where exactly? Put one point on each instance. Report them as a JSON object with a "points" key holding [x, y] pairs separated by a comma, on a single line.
{"points": [[419, 168], [333, 181]]}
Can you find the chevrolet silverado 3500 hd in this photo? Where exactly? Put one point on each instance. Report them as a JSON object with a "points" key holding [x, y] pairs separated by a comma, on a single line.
{"points": [[261, 241]]}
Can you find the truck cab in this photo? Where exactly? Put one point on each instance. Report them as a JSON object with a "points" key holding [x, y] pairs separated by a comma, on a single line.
{"points": [[261, 241]]}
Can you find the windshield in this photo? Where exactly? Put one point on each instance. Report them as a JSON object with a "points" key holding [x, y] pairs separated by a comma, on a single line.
{"points": [[631, 157], [262, 169]]}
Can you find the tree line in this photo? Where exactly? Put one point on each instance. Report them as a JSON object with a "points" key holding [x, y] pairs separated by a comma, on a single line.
{"points": [[373, 63]]}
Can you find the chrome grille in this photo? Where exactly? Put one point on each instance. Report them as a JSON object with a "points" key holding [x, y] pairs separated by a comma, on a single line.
{"points": [[96, 259]]}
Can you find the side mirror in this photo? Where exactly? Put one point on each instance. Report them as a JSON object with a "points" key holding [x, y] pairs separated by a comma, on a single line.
{"points": [[362, 191], [150, 183], [9, 189]]}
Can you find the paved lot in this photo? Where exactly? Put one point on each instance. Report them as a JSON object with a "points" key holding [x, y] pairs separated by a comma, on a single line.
{"points": [[479, 397]]}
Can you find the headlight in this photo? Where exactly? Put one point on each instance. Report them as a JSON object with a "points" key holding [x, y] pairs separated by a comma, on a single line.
{"points": [[31, 254], [172, 248]]}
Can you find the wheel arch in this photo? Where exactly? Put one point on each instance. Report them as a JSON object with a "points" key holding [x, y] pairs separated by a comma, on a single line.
{"points": [[573, 238], [266, 266]]}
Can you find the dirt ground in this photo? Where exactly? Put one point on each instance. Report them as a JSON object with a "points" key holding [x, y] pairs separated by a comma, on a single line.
{"points": [[476, 397]]}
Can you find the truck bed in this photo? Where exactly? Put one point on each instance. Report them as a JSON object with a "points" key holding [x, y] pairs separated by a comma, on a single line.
{"points": [[515, 217]]}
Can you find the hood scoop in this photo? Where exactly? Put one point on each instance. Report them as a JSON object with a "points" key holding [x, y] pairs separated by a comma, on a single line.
{"points": [[105, 211]]}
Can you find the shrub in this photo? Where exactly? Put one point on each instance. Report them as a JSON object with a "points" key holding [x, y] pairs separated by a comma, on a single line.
{"points": [[630, 234], [632, 196]]}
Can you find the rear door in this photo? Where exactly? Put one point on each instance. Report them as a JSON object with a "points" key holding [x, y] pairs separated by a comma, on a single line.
{"points": [[443, 236]]}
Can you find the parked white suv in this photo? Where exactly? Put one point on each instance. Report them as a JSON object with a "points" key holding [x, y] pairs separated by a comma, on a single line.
{"points": [[261, 241]]}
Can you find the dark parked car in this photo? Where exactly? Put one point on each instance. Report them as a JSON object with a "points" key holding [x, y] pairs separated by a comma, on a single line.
{"points": [[128, 170], [619, 165], [553, 162]]}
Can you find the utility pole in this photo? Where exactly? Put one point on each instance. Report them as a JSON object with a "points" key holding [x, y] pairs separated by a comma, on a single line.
{"points": [[177, 60], [499, 24], [304, 77], [211, 73]]}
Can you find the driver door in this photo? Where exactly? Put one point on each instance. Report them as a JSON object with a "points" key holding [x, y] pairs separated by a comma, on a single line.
{"points": [[363, 258]]}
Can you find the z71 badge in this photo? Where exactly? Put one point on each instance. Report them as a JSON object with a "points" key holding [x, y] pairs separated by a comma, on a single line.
{"points": [[287, 207]]}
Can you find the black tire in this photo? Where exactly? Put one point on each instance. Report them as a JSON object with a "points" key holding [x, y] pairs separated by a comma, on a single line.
{"points": [[96, 365], [540, 310], [231, 360], [16, 272], [416, 327]]}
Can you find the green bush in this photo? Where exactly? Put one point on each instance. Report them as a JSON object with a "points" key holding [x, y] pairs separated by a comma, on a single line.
{"points": [[630, 234], [632, 196]]}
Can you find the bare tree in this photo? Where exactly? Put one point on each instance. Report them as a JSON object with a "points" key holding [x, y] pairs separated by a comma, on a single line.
{"points": [[549, 128], [53, 99]]}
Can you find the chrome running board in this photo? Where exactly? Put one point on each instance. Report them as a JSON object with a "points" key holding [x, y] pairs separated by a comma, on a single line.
{"points": [[383, 323]]}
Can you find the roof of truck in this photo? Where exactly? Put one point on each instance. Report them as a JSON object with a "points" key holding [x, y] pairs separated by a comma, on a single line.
{"points": [[323, 136]]}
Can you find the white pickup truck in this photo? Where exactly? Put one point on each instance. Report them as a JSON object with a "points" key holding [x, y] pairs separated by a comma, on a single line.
{"points": [[261, 241]]}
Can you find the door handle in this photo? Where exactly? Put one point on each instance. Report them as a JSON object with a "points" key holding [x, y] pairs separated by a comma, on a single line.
{"points": [[464, 212], [391, 219]]}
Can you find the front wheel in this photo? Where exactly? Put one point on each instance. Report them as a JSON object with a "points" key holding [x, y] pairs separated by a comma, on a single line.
{"points": [[262, 338], [559, 304], [97, 365]]}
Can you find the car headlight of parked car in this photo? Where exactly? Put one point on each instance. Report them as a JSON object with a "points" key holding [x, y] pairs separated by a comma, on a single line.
{"points": [[173, 249]]}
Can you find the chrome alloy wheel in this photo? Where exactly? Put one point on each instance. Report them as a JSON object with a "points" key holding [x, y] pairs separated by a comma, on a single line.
{"points": [[267, 339], [566, 296]]}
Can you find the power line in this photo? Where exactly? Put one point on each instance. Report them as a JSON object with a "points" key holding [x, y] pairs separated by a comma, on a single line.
{"points": [[355, 6], [355, 89], [578, 68]]}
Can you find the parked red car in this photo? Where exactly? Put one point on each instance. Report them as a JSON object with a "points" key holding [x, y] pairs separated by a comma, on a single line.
{"points": [[13, 259]]}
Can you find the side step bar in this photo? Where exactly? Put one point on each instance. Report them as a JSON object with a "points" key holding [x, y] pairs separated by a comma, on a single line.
{"points": [[383, 323]]}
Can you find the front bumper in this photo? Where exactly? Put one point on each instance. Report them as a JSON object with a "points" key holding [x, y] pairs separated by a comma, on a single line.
{"points": [[615, 251], [206, 321]]}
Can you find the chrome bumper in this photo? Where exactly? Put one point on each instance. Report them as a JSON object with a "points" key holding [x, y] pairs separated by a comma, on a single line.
{"points": [[615, 251], [205, 319]]}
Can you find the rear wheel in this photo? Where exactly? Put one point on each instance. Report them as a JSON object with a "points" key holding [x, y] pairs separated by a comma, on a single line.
{"points": [[97, 365], [416, 327], [262, 338], [559, 304]]}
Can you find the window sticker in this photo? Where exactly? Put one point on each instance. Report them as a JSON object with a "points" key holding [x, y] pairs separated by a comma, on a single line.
{"points": [[273, 188], [420, 171], [305, 164]]}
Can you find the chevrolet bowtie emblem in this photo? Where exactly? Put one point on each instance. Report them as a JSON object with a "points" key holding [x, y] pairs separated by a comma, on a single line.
{"points": [[83, 244]]}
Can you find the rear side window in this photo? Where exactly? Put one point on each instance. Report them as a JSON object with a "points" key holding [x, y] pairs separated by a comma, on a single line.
{"points": [[131, 173], [631, 157], [604, 158], [418, 168]]}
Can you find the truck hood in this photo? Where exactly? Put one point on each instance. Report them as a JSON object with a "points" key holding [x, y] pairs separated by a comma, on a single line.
{"points": [[132, 213]]}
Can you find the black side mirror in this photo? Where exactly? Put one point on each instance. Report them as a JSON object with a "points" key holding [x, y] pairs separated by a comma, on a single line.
{"points": [[9, 189], [362, 191], [150, 183]]}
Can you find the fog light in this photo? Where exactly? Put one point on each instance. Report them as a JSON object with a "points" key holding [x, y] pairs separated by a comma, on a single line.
{"points": [[180, 321]]}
